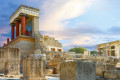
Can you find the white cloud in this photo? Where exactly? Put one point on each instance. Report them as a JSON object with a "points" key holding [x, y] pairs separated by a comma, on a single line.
{"points": [[56, 11], [54, 18]]}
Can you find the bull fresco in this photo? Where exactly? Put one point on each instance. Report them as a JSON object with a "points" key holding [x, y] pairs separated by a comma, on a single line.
{"points": [[28, 28]]}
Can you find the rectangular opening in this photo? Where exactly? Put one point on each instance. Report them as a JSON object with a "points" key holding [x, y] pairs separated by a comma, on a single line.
{"points": [[112, 47]]}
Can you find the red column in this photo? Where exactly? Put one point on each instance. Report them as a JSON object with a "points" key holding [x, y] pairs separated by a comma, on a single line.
{"points": [[12, 31], [17, 27], [4, 44], [8, 40], [22, 24]]}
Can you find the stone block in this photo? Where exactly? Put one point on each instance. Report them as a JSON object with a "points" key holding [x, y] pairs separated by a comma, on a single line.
{"points": [[112, 74], [100, 68], [77, 70], [34, 67], [49, 72]]}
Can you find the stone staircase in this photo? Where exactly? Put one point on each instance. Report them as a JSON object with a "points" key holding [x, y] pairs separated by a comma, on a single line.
{"points": [[39, 43]]}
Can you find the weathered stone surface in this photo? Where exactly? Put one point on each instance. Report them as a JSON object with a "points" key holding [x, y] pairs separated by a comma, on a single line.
{"points": [[100, 68], [77, 70], [49, 72], [112, 74], [34, 67], [10, 62], [55, 62]]}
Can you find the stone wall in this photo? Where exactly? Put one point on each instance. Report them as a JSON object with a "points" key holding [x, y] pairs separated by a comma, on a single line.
{"points": [[77, 70], [26, 47], [46, 43], [10, 62], [112, 74]]}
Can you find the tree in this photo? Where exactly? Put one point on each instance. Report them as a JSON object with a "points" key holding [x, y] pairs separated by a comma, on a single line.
{"points": [[78, 50], [93, 52]]}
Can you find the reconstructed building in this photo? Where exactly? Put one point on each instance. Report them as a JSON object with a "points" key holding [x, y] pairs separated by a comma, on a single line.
{"points": [[109, 49], [10, 62], [25, 21]]}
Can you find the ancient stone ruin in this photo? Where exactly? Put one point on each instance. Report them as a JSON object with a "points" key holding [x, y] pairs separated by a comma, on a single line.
{"points": [[77, 70], [34, 67], [10, 62], [38, 56]]}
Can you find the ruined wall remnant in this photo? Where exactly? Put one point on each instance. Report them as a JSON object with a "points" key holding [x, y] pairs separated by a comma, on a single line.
{"points": [[54, 63], [77, 70], [112, 74], [10, 62], [34, 67]]}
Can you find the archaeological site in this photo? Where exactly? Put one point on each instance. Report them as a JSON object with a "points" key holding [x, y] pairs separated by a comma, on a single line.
{"points": [[29, 55]]}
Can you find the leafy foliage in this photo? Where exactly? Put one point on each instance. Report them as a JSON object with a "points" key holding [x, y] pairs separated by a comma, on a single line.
{"points": [[78, 50], [93, 52]]}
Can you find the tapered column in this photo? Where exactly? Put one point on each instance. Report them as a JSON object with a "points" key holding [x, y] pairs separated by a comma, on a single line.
{"points": [[22, 24], [17, 21], [8, 40], [12, 30]]}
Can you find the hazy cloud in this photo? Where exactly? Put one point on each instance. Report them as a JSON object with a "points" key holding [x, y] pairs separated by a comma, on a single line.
{"points": [[54, 12]]}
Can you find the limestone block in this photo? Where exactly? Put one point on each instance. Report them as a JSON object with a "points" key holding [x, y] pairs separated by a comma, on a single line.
{"points": [[112, 74], [110, 67], [34, 67], [49, 72], [77, 70], [100, 68], [10, 62]]}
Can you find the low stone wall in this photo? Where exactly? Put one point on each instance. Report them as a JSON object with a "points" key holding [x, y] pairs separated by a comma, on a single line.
{"points": [[101, 67], [77, 70]]}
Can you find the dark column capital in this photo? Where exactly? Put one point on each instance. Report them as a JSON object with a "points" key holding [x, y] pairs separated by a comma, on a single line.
{"points": [[23, 14], [17, 20], [12, 24]]}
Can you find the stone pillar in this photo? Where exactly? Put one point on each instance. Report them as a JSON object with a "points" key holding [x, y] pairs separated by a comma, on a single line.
{"points": [[34, 67], [117, 51], [22, 24], [12, 30], [35, 25], [8, 40], [17, 26]]}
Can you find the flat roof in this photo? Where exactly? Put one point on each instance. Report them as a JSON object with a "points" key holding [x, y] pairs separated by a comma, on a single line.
{"points": [[109, 42], [25, 7]]}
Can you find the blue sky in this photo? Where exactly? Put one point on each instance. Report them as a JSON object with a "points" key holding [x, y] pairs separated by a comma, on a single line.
{"points": [[75, 23]]}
